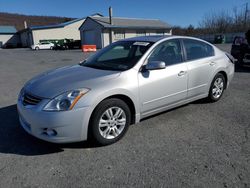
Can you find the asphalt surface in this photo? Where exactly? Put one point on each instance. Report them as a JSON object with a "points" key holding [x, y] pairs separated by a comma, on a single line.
{"points": [[196, 145]]}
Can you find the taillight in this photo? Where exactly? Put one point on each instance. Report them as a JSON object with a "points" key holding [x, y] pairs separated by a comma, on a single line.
{"points": [[231, 58]]}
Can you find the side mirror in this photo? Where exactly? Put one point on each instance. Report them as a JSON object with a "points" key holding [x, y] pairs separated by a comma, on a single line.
{"points": [[155, 65]]}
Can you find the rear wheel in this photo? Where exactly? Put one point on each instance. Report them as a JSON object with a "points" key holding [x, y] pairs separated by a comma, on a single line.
{"points": [[36, 48], [217, 87], [110, 121]]}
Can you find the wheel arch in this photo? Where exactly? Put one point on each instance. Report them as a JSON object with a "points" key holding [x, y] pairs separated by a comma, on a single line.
{"points": [[128, 101], [122, 97], [125, 99], [225, 76]]}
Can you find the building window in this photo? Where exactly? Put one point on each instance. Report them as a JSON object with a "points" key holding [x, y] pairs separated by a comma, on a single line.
{"points": [[118, 35], [141, 33]]}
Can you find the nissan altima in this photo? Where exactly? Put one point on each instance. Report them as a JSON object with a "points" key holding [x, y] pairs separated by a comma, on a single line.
{"points": [[121, 84]]}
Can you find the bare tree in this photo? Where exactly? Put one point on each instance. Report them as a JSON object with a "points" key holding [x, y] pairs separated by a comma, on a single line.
{"points": [[219, 22], [237, 20]]}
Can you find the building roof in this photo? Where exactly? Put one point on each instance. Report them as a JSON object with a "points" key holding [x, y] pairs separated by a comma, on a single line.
{"points": [[7, 29], [131, 23], [57, 25], [63, 24]]}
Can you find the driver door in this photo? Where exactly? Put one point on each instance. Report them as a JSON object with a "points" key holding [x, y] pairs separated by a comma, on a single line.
{"points": [[163, 87]]}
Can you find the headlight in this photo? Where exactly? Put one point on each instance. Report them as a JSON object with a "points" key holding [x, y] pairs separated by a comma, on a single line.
{"points": [[65, 101]]}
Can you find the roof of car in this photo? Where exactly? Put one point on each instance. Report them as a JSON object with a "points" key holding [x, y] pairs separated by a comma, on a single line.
{"points": [[152, 38], [156, 38]]}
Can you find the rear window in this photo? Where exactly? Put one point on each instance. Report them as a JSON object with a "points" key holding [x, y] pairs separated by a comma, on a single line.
{"points": [[197, 49]]}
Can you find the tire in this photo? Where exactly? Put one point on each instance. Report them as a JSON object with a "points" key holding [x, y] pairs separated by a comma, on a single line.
{"points": [[217, 88], [105, 126], [51, 47], [36, 48]]}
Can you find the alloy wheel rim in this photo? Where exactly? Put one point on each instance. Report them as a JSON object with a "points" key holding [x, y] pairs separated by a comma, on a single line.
{"points": [[218, 88], [112, 122]]}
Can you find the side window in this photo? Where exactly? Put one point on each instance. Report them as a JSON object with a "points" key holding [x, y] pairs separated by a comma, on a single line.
{"points": [[168, 52], [197, 49]]}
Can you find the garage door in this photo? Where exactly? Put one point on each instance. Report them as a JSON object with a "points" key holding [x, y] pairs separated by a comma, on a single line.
{"points": [[92, 37], [89, 37]]}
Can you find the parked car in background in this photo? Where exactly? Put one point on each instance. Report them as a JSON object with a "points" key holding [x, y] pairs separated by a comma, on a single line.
{"points": [[219, 39], [43, 46], [75, 44], [67, 44], [121, 84], [240, 50], [58, 46]]}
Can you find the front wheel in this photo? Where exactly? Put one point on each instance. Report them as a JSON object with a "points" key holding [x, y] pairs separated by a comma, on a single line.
{"points": [[110, 121], [217, 88]]}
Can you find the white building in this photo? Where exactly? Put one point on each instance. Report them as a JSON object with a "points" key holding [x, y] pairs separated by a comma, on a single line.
{"points": [[68, 30], [8, 36], [101, 31], [34, 34]]}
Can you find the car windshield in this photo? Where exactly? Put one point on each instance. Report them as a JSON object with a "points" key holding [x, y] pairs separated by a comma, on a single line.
{"points": [[119, 56]]}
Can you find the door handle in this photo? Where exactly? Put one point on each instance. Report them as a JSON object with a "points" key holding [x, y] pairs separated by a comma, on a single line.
{"points": [[212, 63], [181, 73]]}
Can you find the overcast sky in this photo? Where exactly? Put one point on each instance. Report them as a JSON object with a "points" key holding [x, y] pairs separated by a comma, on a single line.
{"points": [[174, 12]]}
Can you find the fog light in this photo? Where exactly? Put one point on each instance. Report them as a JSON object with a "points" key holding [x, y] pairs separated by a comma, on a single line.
{"points": [[50, 132]]}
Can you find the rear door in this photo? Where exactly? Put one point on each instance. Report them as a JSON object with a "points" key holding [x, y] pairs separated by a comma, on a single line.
{"points": [[201, 63]]}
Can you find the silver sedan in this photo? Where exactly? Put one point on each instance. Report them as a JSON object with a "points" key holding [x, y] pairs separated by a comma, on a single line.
{"points": [[121, 84]]}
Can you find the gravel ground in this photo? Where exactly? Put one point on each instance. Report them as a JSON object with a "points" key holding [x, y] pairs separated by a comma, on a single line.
{"points": [[196, 145]]}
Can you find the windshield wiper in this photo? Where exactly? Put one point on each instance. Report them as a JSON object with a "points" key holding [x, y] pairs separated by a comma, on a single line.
{"points": [[91, 66], [101, 66]]}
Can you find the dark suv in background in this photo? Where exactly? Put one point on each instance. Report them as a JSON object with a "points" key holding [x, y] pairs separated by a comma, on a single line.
{"points": [[241, 49]]}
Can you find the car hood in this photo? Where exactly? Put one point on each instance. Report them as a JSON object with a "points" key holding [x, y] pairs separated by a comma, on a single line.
{"points": [[52, 83]]}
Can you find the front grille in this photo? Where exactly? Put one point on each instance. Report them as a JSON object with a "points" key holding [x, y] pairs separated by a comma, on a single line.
{"points": [[29, 99]]}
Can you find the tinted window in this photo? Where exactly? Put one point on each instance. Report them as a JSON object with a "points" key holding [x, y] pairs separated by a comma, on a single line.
{"points": [[197, 49], [168, 52]]}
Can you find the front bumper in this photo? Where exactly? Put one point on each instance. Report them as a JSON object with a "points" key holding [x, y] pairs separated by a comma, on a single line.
{"points": [[70, 126]]}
